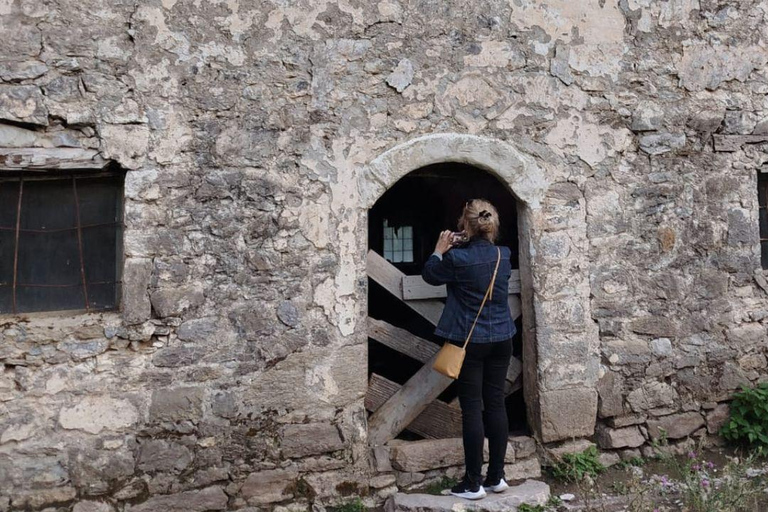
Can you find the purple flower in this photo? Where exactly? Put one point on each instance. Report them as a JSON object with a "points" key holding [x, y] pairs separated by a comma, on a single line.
{"points": [[665, 481], [691, 455], [710, 465], [704, 483], [696, 467]]}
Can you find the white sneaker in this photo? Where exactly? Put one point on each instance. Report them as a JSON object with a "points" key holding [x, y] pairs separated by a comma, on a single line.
{"points": [[466, 490], [499, 487]]}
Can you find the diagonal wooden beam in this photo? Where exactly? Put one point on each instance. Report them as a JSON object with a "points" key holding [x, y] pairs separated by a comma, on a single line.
{"points": [[405, 405], [389, 277], [439, 420]]}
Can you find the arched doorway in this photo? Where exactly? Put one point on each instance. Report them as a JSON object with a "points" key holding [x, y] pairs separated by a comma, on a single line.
{"points": [[559, 338], [402, 228]]}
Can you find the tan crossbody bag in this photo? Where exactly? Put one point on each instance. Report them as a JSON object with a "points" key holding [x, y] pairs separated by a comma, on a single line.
{"points": [[450, 358]]}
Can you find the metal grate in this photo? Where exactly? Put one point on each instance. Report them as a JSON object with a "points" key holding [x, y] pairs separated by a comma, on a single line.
{"points": [[60, 242]]}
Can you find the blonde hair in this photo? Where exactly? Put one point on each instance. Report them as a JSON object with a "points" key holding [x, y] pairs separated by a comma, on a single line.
{"points": [[480, 218]]}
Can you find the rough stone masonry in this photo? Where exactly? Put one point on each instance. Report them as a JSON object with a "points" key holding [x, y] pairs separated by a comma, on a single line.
{"points": [[233, 375]]}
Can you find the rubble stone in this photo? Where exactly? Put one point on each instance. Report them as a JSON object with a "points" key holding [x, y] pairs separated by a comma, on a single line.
{"points": [[676, 426], [613, 438], [23, 104]]}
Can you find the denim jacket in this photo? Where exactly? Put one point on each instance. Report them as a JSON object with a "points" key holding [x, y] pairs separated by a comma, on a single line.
{"points": [[466, 272]]}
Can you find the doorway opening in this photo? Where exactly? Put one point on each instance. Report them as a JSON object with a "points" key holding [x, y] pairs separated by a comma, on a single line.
{"points": [[402, 230]]}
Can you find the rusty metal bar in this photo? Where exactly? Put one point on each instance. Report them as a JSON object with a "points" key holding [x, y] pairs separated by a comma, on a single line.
{"points": [[16, 244], [80, 244], [34, 285], [3, 228]]}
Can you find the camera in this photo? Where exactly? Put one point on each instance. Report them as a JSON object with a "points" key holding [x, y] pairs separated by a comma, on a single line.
{"points": [[459, 238]]}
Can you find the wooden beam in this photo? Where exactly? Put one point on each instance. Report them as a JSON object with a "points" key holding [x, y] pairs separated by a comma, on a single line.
{"points": [[731, 143], [401, 340], [389, 277], [415, 288], [46, 159], [439, 420], [406, 404]]}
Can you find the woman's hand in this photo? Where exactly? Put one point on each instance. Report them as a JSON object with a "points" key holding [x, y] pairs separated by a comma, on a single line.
{"points": [[444, 242]]}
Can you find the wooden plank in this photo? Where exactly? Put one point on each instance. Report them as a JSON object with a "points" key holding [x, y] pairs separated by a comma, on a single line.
{"points": [[406, 404], [389, 277], [515, 306], [415, 288], [731, 143], [439, 420], [46, 159], [401, 340]]}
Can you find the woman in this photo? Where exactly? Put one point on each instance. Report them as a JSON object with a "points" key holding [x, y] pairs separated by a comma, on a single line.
{"points": [[467, 272]]}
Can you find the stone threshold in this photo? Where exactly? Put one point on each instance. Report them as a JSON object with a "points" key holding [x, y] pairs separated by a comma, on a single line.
{"points": [[531, 492]]}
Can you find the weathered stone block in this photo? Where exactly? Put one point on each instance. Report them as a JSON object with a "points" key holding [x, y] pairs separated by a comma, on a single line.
{"points": [[310, 439], [157, 455], [522, 469], [717, 417], [175, 301], [94, 414], [212, 498], [176, 404], [530, 492], [646, 117], [610, 389], [652, 395], [654, 326], [419, 456], [135, 304], [568, 413], [92, 506], [198, 330], [23, 104], [570, 447], [676, 426], [523, 446], [613, 438]]}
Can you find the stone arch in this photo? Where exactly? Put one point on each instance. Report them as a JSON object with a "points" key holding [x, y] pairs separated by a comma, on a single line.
{"points": [[559, 338], [525, 179]]}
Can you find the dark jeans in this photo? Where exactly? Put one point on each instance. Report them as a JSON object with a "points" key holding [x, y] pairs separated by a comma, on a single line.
{"points": [[483, 412]]}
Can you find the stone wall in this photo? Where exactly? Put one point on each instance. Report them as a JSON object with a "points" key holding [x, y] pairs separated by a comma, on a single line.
{"points": [[234, 374]]}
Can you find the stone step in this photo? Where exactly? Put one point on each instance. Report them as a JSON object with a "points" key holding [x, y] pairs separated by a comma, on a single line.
{"points": [[532, 492]]}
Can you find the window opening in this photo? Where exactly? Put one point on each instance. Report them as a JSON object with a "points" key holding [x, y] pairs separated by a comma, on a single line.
{"points": [[60, 242], [398, 243]]}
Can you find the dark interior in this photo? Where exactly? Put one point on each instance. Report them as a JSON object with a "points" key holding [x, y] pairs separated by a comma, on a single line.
{"points": [[430, 200]]}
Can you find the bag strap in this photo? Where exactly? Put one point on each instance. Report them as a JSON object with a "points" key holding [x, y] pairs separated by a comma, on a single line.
{"points": [[488, 293]]}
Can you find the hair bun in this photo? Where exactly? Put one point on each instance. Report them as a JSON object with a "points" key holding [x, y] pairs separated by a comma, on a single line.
{"points": [[485, 214]]}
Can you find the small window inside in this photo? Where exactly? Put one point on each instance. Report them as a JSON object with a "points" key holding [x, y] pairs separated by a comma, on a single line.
{"points": [[60, 242], [398, 243], [762, 199]]}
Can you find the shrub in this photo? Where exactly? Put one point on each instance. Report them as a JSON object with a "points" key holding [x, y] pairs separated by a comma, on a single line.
{"points": [[749, 417], [573, 467]]}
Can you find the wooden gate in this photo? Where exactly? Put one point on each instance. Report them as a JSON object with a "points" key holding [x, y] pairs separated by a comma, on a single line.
{"points": [[414, 406]]}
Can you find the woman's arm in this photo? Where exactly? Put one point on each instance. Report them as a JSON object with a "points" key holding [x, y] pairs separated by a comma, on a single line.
{"points": [[438, 268]]}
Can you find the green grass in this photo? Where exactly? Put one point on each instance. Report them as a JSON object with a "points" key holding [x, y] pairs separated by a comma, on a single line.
{"points": [[437, 487], [573, 467]]}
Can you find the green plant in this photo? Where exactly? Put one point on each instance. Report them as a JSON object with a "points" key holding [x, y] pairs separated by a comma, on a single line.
{"points": [[524, 507], [703, 488], [437, 487], [356, 505], [748, 422], [573, 467]]}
